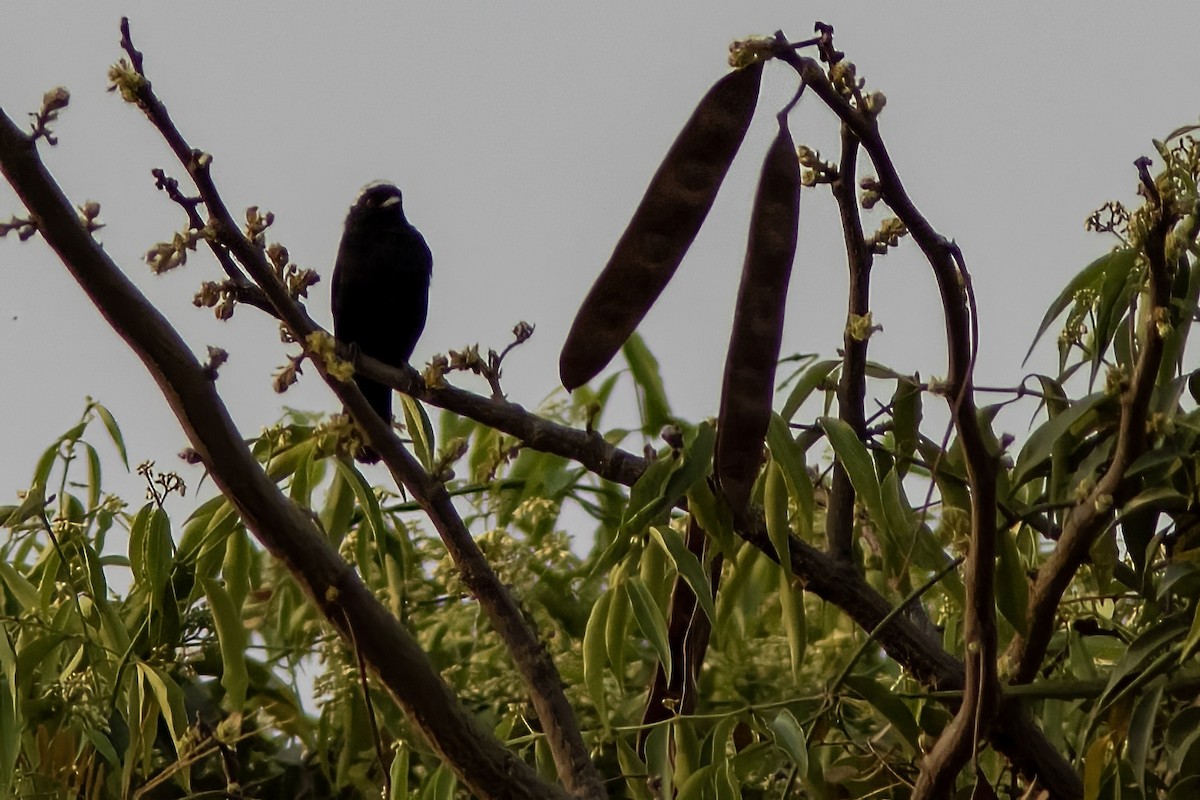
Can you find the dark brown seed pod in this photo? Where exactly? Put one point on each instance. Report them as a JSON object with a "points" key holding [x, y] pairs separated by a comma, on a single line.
{"points": [[663, 227], [758, 322]]}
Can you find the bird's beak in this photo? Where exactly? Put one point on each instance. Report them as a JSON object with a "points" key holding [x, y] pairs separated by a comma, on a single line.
{"points": [[391, 201]]}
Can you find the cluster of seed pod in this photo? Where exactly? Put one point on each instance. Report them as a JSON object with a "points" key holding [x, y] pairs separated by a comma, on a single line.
{"points": [[655, 242]]}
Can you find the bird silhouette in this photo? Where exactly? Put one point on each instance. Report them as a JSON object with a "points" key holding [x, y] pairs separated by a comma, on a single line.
{"points": [[380, 288]]}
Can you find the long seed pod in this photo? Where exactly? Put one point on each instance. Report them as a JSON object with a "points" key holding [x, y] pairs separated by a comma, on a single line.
{"points": [[758, 322], [663, 227]]}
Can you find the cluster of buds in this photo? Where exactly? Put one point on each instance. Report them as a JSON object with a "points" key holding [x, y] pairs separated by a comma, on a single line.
{"points": [[816, 170], [296, 280], [287, 375], [872, 192], [89, 215], [123, 78], [221, 296], [323, 346], [257, 224], [166, 256], [24, 227], [744, 52], [888, 235], [160, 484], [1112, 217], [53, 101]]}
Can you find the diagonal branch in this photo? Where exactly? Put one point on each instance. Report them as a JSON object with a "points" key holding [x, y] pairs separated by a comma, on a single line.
{"points": [[285, 529], [534, 663], [1089, 518]]}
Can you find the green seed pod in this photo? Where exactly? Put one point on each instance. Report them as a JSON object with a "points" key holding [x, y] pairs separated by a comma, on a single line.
{"points": [[758, 322], [663, 227]]}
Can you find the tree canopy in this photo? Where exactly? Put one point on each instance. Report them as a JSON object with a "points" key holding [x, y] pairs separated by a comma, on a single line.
{"points": [[818, 593]]}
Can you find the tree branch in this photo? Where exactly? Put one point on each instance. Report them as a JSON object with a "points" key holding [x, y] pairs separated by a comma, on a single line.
{"points": [[852, 387], [533, 662], [958, 742], [1088, 519], [283, 528]]}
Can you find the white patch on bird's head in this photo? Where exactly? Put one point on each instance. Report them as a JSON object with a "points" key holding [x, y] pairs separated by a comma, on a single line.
{"points": [[379, 194]]}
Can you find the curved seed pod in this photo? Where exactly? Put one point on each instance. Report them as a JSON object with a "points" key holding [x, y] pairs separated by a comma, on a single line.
{"points": [[663, 227], [758, 322]]}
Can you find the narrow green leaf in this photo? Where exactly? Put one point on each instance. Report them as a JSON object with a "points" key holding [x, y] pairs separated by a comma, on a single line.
{"points": [[789, 737], [858, 465], [25, 593], [366, 499], [1142, 727], [906, 420], [813, 377], [688, 567], [1041, 442], [790, 455], [420, 430], [656, 412], [775, 509], [1090, 276], [398, 773], [231, 635], [893, 709], [170, 701], [595, 654], [1012, 587], [650, 619], [114, 432], [658, 759], [795, 622]]}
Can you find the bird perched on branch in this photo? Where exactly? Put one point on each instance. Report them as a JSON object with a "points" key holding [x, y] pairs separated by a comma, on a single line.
{"points": [[380, 288]]}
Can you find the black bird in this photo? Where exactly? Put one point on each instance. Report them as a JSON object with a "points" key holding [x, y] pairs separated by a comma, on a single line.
{"points": [[381, 286]]}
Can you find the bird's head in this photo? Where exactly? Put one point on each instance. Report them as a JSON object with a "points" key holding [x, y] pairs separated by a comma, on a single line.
{"points": [[378, 199]]}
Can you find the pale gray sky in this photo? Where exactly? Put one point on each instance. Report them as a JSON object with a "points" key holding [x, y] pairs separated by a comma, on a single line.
{"points": [[523, 135]]}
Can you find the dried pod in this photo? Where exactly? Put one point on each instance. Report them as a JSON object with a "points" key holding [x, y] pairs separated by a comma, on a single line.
{"points": [[758, 322], [663, 227]]}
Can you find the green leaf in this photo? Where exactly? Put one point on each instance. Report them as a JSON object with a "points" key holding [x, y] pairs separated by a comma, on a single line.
{"points": [[789, 737], [795, 623], [790, 455], [1090, 276], [889, 705], [813, 377], [22, 590], [595, 654], [775, 509], [658, 759], [231, 635], [1041, 442], [366, 499], [1012, 587], [1142, 728], [656, 412], [420, 430], [857, 462], [170, 701], [114, 431], [650, 619], [687, 472], [688, 567], [398, 773], [906, 420]]}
